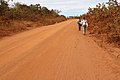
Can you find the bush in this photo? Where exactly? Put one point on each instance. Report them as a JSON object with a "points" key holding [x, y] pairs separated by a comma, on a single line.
{"points": [[105, 20]]}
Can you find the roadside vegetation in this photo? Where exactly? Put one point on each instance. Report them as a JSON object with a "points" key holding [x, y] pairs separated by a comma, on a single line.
{"points": [[22, 17], [104, 22]]}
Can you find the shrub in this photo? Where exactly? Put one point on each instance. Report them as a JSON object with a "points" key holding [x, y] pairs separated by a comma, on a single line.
{"points": [[105, 20]]}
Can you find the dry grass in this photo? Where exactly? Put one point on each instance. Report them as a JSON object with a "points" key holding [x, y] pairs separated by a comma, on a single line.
{"points": [[10, 27]]}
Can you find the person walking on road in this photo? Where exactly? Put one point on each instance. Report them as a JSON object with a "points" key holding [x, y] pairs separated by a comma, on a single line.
{"points": [[79, 24], [84, 25]]}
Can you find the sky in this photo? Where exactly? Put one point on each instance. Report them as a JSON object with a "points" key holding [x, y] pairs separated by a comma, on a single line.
{"points": [[67, 7]]}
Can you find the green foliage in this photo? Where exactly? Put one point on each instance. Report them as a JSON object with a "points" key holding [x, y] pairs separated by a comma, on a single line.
{"points": [[25, 12], [21, 17], [3, 7]]}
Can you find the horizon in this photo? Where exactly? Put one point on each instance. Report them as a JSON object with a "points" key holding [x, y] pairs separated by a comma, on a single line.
{"points": [[67, 8]]}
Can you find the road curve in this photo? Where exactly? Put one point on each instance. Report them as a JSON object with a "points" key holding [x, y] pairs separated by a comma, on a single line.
{"points": [[55, 52]]}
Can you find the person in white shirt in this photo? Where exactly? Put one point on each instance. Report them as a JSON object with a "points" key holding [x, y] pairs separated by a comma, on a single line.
{"points": [[84, 25]]}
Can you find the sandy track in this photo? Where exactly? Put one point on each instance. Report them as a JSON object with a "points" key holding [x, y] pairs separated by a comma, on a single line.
{"points": [[56, 52]]}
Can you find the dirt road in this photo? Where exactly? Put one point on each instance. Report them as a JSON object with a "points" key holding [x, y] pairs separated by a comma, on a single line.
{"points": [[56, 52]]}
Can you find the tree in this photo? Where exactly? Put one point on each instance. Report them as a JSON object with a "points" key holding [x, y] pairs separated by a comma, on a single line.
{"points": [[55, 12], [113, 3], [38, 6], [3, 7]]}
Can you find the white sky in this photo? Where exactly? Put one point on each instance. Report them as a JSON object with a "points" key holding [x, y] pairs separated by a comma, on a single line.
{"points": [[68, 7]]}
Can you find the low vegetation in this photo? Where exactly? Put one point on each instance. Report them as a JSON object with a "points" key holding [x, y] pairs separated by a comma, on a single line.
{"points": [[22, 17], [104, 22]]}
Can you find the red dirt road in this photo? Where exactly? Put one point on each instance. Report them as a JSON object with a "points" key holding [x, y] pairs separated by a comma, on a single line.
{"points": [[56, 52]]}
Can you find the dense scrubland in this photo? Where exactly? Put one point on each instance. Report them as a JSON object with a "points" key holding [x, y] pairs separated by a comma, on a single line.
{"points": [[21, 17], [104, 22]]}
